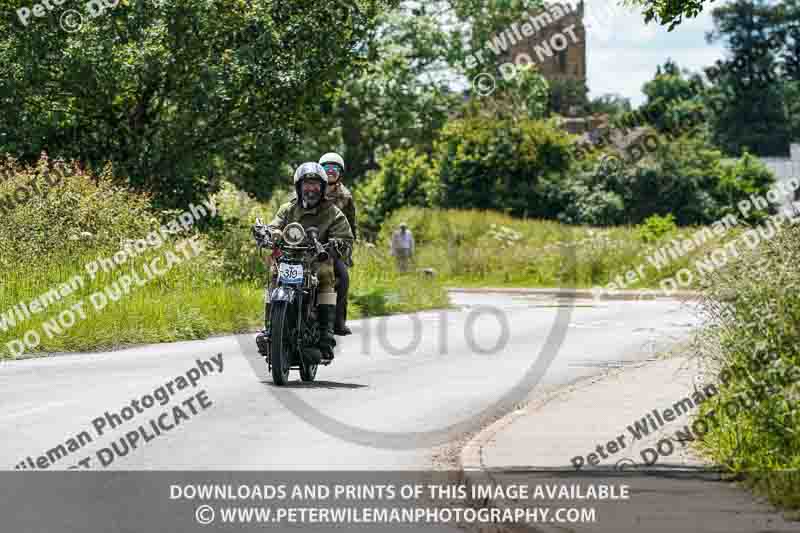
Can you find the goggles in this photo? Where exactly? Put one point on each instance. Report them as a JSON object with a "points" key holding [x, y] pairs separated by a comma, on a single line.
{"points": [[333, 168]]}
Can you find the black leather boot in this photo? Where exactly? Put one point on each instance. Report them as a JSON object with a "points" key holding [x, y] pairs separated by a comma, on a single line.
{"points": [[326, 314], [342, 288]]}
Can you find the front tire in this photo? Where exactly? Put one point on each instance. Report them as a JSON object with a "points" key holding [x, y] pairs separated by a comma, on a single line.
{"points": [[308, 372], [280, 352]]}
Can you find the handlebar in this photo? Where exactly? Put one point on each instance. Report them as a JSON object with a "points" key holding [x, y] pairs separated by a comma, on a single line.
{"points": [[263, 240], [322, 253]]}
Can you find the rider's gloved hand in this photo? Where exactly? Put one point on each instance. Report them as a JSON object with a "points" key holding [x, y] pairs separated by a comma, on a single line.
{"points": [[261, 235], [339, 248]]}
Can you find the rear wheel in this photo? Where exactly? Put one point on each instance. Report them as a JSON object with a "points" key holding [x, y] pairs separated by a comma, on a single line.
{"points": [[280, 351]]}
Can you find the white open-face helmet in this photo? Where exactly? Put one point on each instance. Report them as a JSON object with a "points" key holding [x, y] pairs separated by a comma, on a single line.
{"points": [[332, 157], [330, 161], [310, 170], [313, 171]]}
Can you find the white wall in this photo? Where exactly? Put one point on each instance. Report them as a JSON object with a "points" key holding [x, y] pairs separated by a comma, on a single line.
{"points": [[785, 168]]}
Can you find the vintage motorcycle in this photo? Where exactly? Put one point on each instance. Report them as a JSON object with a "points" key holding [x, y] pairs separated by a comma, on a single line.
{"points": [[292, 343]]}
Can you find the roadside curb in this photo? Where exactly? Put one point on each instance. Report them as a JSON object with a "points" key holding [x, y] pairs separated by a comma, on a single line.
{"points": [[645, 294], [470, 459]]}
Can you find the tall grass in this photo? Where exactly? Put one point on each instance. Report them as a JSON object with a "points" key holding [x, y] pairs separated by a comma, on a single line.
{"points": [[487, 248], [753, 344], [219, 291]]}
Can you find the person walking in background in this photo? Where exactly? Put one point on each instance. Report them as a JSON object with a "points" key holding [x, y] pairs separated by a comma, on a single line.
{"points": [[402, 247]]}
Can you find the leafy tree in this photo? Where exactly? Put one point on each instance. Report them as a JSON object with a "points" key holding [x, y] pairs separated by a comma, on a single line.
{"points": [[668, 86], [610, 104], [792, 98], [401, 96], [670, 12], [684, 176], [788, 14], [394, 98], [675, 99], [753, 115], [523, 96], [512, 166], [176, 93], [406, 179], [569, 97]]}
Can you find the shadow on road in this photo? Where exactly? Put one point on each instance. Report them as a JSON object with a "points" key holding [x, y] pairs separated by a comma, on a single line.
{"points": [[316, 385]]}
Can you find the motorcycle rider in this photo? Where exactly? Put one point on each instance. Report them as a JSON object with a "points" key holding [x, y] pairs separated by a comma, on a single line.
{"points": [[310, 208], [334, 166]]}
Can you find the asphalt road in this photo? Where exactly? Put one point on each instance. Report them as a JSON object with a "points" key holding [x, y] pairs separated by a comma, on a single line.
{"points": [[378, 407]]}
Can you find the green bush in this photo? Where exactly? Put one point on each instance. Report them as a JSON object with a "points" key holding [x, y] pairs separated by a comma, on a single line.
{"points": [[371, 302], [479, 162], [737, 180], [54, 209], [230, 234], [655, 227], [683, 176], [585, 202], [527, 168], [507, 165], [406, 178]]}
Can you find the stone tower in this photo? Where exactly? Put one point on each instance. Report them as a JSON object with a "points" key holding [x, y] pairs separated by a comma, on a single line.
{"points": [[558, 47]]}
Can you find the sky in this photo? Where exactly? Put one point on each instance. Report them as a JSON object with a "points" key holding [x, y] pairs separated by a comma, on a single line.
{"points": [[623, 52]]}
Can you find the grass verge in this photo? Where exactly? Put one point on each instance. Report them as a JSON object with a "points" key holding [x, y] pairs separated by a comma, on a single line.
{"points": [[753, 345]]}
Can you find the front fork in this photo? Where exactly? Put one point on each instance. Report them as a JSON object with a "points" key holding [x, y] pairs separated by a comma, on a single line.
{"points": [[290, 295]]}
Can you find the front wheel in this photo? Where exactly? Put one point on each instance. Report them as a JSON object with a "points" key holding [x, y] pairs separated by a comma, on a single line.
{"points": [[308, 371], [280, 354]]}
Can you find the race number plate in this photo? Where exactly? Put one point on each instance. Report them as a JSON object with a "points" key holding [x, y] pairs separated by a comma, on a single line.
{"points": [[289, 273]]}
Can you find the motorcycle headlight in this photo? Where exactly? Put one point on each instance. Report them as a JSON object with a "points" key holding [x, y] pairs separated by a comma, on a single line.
{"points": [[294, 234]]}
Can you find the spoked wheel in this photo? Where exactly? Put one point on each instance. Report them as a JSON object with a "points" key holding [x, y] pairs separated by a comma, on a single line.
{"points": [[280, 352]]}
